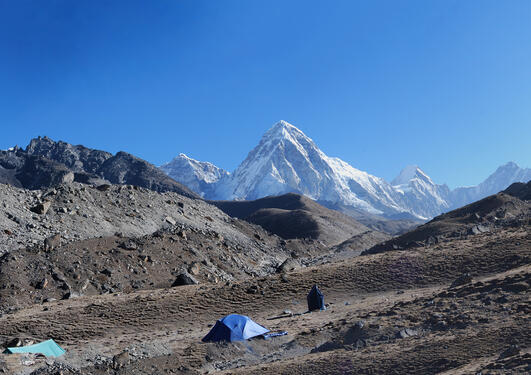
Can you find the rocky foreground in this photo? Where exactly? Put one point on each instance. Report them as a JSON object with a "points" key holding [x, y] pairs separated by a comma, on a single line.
{"points": [[128, 281]]}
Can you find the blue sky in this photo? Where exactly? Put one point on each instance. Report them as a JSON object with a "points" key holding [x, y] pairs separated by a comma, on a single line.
{"points": [[381, 84]]}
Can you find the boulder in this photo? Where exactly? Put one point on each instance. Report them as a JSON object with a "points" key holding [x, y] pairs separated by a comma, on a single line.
{"points": [[103, 187], [128, 245], [120, 360], [406, 332], [41, 208], [170, 220], [14, 343], [477, 229], [52, 242], [288, 265], [42, 284], [356, 335], [194, 268], [184, 278]]}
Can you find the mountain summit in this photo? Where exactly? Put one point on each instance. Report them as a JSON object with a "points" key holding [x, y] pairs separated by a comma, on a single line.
{"points": [[199, 176], [409, 173], [286, 160], [504, 176]]}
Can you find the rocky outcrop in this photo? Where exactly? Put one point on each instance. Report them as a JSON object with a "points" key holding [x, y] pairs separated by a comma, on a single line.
{"points": [[46, 163]]}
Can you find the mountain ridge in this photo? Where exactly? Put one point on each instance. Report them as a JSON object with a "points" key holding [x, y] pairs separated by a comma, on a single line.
{"points": [[45, 163], [287, 161]]}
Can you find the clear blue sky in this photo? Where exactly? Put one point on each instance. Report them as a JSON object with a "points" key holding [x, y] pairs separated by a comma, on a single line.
{"points": [[381, 84]]}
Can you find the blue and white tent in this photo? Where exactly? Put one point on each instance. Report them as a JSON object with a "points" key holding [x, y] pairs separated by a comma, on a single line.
{"points": [[234, 327]]}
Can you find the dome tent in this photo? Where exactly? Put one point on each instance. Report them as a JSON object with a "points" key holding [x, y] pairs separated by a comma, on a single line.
{"points": [[234, 327], [315, 299]]}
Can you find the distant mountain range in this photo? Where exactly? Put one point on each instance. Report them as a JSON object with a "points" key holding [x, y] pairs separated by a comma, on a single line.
{"points": [[286, 160]]}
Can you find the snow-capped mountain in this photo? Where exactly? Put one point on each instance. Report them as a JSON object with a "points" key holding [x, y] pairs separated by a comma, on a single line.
{"points": [[286, 160], [504, 176], [199, 176], [419, 193]]}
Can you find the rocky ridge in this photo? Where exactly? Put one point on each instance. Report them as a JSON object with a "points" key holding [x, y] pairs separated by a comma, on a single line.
{"points": [[45, 163]]}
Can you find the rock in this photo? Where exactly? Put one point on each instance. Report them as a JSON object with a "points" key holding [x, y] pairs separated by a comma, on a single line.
{"points": [[52, 242], [253, 289], [103, 187], [41, 208], [184, 278], [194, 268], [510, 351], [128, 245], [288, 265], [355, 333], [120, 360], [477, 229], [57, 276], [42, 284], [71, 294], [516, 287], [406, 332], [462, 280], [14, 343], [107, 272], [170, 220]]}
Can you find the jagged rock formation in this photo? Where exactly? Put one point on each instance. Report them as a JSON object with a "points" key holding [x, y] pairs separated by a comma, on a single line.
{"points": [[45, 163]]}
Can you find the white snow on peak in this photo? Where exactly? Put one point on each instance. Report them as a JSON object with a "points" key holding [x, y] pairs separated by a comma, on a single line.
{"points": [[409, 173], [199, 176], [286, 160], [502, 177]]}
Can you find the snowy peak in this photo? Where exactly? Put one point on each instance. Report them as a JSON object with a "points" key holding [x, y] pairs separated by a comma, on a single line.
{"points": [[509, 171], [286, 160], [204, 170], [284, 136], [502, 177], [198, 176], [409, 173], [283, 130]]}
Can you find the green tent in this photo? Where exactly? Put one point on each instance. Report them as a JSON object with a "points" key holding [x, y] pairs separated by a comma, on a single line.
{"points": [[49, 348]]}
